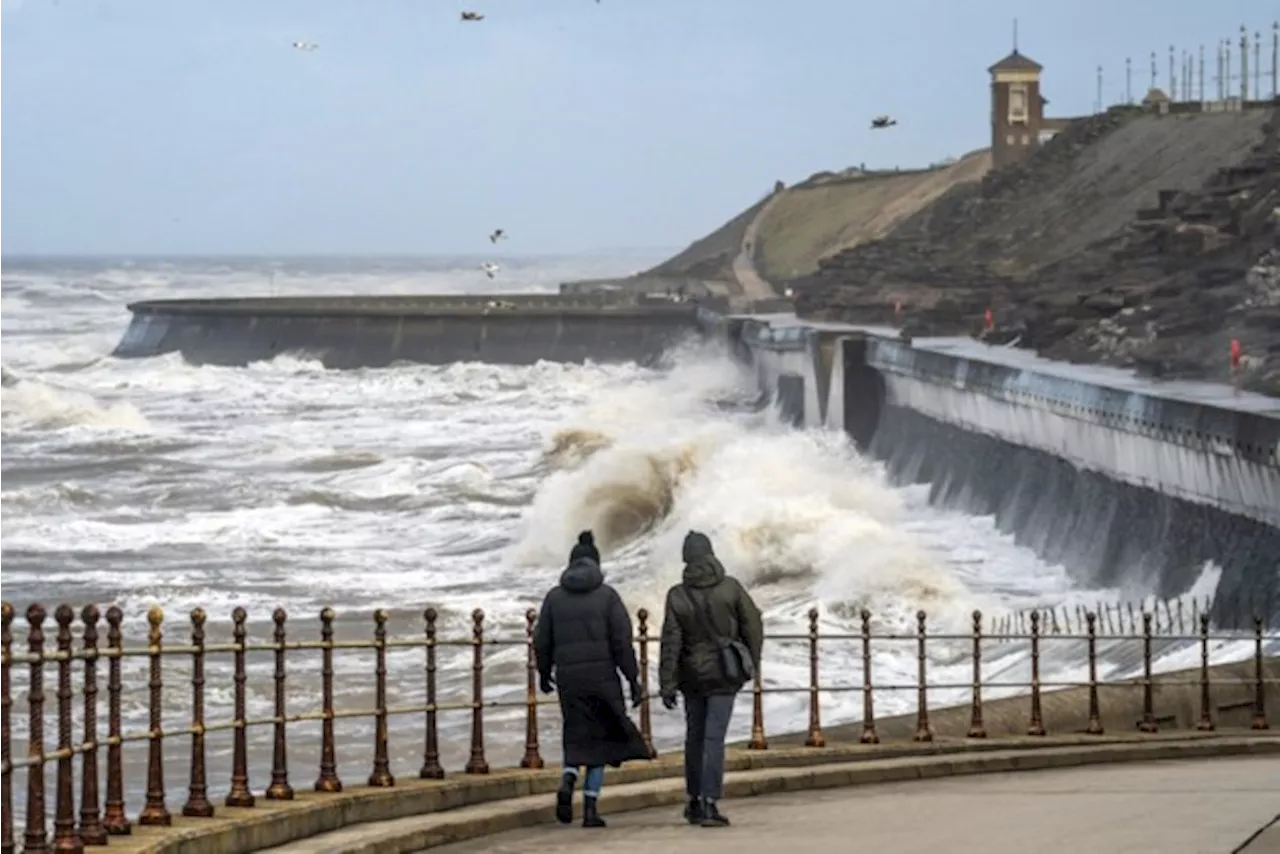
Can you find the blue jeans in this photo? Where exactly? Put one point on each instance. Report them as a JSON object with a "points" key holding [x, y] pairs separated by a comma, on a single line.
{"points": [[594, 780], [706, 723]]}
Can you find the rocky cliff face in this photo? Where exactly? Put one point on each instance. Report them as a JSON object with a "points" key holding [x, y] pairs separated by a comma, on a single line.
{"points": [[1129, 239]]}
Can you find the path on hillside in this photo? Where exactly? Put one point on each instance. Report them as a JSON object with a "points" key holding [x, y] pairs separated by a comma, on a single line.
{"points": [[754, 286], [1170, 807]]}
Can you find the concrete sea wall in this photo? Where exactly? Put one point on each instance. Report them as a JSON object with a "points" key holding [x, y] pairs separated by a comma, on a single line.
{"points": [[1125, 482], [358, 332]]}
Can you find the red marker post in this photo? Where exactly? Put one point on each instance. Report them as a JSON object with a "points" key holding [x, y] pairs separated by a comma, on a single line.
{"points": [[988, 321]]}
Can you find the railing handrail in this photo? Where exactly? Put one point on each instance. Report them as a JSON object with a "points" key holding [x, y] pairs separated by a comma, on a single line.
{"points": [[98, 825]]}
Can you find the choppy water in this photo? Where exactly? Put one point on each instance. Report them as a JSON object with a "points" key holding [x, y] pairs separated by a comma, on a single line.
{"points": [[150, 482]]}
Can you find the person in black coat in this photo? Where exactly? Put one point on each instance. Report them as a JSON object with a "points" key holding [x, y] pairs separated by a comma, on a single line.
{"points": [[581, 641]]}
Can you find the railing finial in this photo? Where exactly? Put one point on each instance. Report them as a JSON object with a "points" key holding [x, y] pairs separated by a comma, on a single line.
{"points": [[65, 835], [477, 763], [328, 780], [154, 812], [36, 837], [976, 728], [197, 805], [431, 769]]}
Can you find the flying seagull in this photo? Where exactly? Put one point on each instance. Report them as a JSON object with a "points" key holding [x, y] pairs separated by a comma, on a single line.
{"points": [[489, 268], [473, 16], [882, 122], [497, 235], [307, 46]]}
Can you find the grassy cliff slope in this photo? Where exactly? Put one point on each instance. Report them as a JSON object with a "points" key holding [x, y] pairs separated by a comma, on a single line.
{"points": [[821, 217]]}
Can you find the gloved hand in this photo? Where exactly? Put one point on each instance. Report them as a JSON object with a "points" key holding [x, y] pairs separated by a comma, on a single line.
{"points": [[547, 684], [637, 695], [669, 701]]}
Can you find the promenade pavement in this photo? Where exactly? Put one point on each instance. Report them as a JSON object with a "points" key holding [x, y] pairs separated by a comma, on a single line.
{"points": [[1204, 806]]}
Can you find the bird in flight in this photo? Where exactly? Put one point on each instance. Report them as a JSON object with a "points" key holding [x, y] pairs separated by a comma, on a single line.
{"points": [[307, 46], [498, 234], [473, 16], [490, 268], [883, 122]]}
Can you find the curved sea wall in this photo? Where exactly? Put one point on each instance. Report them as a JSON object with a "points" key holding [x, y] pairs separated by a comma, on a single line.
{"points": [[1124, 481], [358, 332]]}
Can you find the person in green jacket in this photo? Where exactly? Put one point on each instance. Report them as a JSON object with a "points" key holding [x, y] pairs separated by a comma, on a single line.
{"points": [[706, 609]]}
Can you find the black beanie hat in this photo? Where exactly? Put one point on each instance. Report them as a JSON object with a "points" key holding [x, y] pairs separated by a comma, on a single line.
{"points": [[586, 547]]}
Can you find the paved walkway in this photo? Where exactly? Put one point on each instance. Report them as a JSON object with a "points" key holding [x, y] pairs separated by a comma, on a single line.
{"points": [[1174, 807], [754, 286]]}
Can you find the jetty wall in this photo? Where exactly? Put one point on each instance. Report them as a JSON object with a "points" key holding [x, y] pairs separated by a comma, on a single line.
{"points": [[359, 332], [1128, 483]]}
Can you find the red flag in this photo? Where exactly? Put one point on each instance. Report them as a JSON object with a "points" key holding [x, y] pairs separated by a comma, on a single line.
{"points": [[990, 321], [1235, 353]]}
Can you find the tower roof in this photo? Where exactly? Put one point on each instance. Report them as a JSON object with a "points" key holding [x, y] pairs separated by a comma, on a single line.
{"points": [[1016, 62]]}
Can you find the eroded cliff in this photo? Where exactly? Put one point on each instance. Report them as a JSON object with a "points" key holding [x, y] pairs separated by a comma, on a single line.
{"points": [[1130, 238]]}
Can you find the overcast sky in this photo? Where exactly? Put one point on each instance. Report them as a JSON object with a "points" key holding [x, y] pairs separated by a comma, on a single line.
{"points": [[193, 126]]}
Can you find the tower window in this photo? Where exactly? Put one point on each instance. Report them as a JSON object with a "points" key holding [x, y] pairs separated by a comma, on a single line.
{"points": [[1018, 104]]}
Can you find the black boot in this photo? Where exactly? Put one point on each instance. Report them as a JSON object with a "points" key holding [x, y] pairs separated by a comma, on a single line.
{"points": [[693, 811], [591, 818], [564, 798], [711, 815]]}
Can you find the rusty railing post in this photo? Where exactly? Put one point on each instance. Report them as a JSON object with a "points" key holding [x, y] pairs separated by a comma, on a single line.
{"points": [[531, 758], [279, 790], [1205, 723], [976, 727], [36, 836], [91, 830], [113, 816], [814, 738], [431, 769], [868, 735], [1259, 687], [197, 805], [154, 811], [239, 795], [1036, 725], [923, 732], [1148, 723], [6, 764], [328, 780], [65, 835], [477, 764], [381, 773], [646, 719], [1095, 717]]}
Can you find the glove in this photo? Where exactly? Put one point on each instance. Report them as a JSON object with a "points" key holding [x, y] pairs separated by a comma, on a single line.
{"points": [[547, 684], [637, 695], [669, 701]]}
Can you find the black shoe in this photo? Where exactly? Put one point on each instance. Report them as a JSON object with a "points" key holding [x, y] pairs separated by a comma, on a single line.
{"points": [[693, 811], [711, 815], [564, 799], [591, 818]]}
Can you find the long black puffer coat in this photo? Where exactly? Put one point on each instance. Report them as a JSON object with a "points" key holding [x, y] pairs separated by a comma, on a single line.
{"points": [[583, 636]]}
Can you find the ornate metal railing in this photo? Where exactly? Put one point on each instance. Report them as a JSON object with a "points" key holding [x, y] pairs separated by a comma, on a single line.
{"points": [[78, 646]]}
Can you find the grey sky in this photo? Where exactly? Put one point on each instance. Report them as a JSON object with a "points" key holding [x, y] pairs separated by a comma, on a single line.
{"points": [[192, 126]]}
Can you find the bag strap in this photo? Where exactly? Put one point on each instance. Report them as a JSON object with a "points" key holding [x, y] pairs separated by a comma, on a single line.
{"points": [[702, 609]]}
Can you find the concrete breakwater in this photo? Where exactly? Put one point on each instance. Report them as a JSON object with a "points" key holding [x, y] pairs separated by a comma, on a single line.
{"points": [[1127, 483], [358, 332]]}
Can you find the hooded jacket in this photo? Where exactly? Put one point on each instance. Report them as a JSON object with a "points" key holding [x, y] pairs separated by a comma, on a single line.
{"points": [[690, 657], [583, 637], [584, 630]]}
